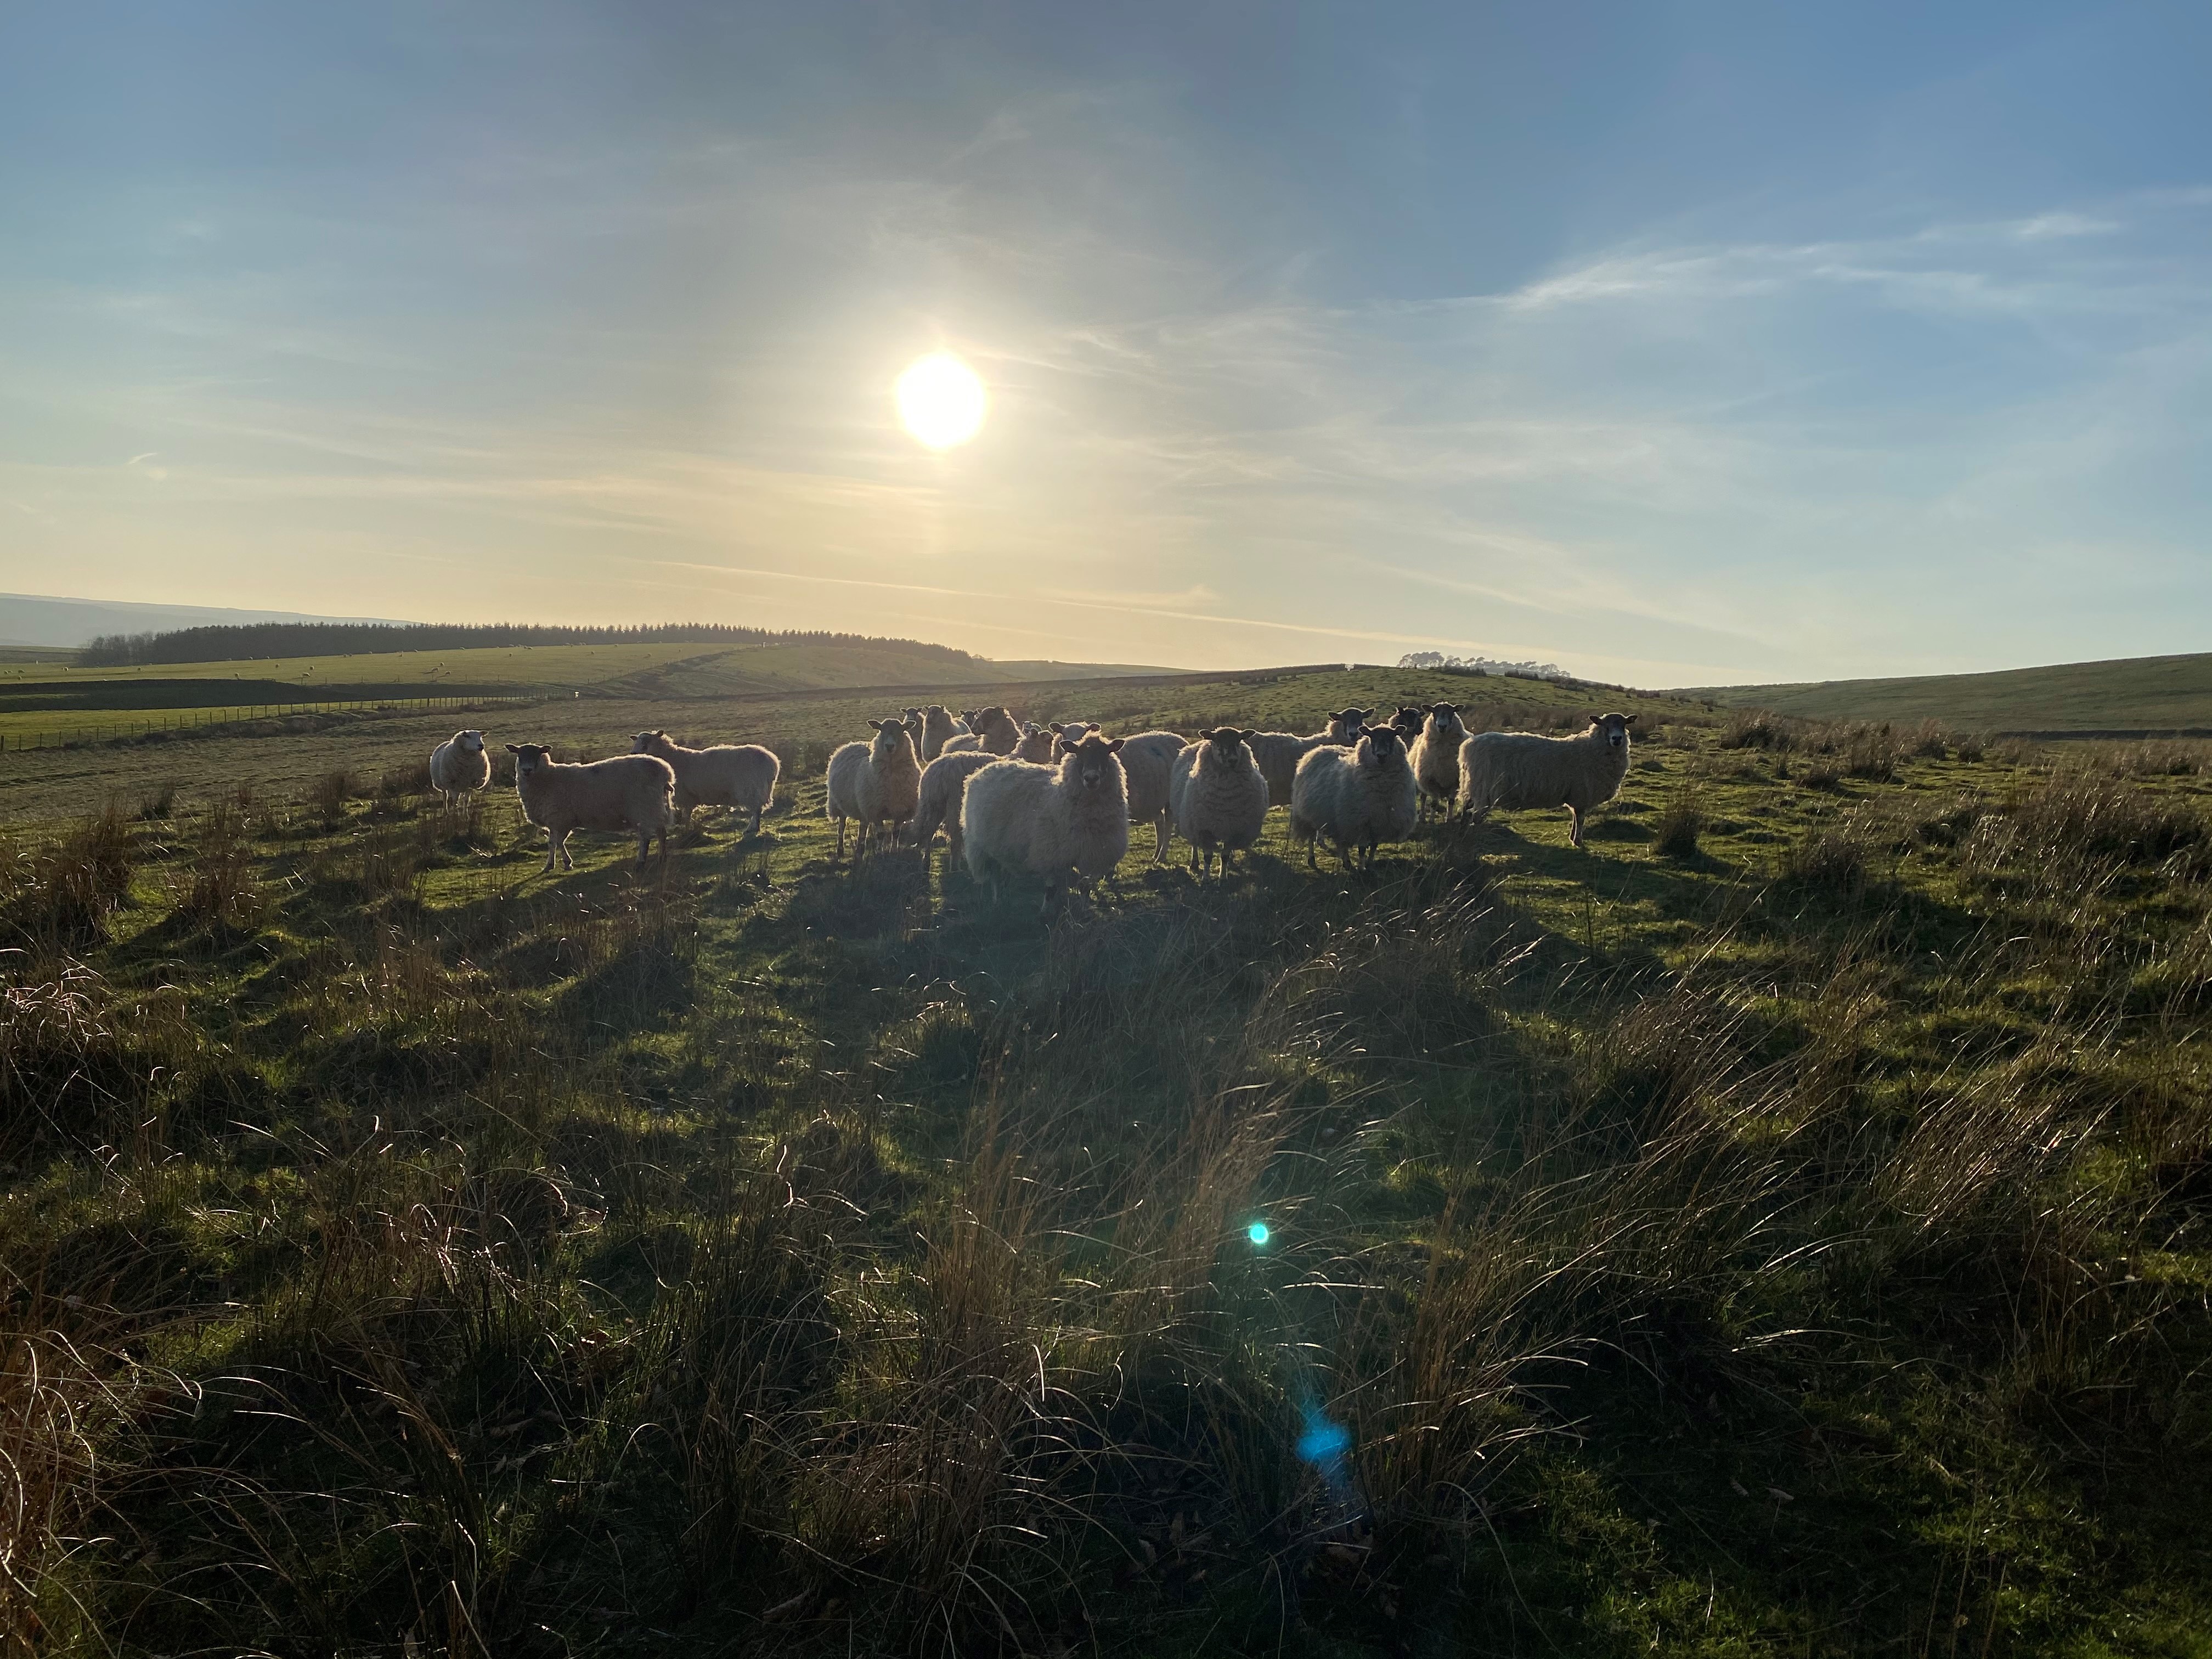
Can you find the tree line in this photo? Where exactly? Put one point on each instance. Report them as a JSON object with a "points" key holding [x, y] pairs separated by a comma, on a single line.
{"points": [[231, 642]]}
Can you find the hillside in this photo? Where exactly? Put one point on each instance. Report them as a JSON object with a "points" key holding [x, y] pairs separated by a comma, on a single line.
{"points": [[2132, 694], [40, 697]]}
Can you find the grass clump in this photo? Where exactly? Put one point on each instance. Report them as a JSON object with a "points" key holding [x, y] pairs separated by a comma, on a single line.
{"points": [[1674, 833]]}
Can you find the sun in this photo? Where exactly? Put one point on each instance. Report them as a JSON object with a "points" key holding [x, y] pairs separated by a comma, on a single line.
{"points": [[941, 401]]}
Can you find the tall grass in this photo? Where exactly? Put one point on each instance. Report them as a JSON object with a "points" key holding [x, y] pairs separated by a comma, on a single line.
{"points": [[562, 1267]]}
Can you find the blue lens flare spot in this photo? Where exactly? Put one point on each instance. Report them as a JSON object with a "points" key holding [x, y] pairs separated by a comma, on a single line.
{"points": [[1257, 1232], [1323, 1441]]}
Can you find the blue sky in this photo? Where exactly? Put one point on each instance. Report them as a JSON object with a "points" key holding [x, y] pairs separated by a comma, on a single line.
{"points": [[1675, 343]]}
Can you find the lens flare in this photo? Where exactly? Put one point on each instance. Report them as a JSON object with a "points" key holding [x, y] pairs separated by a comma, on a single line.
{"points": [[1257, 1232], [940, 400]]}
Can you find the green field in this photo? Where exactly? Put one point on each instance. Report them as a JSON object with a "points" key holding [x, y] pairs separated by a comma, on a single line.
{"points": [[40, 703], [2135, 694], [1785, 1227]]}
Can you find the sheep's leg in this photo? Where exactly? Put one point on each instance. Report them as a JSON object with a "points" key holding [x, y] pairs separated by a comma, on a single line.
{"points": [[1160, 837], [755, 830], [1575, 826]]}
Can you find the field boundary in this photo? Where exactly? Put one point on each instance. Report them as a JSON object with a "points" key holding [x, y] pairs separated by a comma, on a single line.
{"points": [[185, 721]]}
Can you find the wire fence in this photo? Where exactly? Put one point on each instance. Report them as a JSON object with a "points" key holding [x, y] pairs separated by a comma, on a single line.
{"points": [[141, 723]]}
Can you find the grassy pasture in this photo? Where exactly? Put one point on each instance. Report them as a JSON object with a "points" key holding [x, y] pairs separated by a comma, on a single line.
{"points": [[2135, 694], [39, 700], [1779, 1228]]}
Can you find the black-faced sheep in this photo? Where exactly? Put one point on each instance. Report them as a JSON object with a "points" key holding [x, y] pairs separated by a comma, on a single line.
{"points": [[1049, 821], [1217, 797], [1355, 798], [1521, 771], [634, 793], [1280, 753]]}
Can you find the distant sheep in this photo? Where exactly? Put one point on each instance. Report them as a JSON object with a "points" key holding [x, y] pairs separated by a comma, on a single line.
{"points": [[1435, 755], [740, 776], [1407, 723], [636, 794], [460, 766], [1217, 797], [996, 730], [876, 783], [1049, 821], [1357, 798], [942, 783], [938, 727], [1037, 745], [1523, 771], [1280, 752], [1148, 759]]}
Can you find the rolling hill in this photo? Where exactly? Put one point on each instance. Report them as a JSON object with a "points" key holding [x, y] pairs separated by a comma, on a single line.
{"points": [[2126, 695]]}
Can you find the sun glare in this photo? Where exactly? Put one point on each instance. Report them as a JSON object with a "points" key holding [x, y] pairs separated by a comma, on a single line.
{"points": [[941, 401]]}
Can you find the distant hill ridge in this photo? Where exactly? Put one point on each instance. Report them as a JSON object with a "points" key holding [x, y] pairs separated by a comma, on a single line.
{"points": [[2126, 694], [247, 642]]}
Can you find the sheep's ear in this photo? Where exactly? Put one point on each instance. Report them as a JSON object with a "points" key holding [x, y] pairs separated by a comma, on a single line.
{"points": [[1246, 736], [512, 749], [1628, 719], [1113, 745], [1597, 720]]}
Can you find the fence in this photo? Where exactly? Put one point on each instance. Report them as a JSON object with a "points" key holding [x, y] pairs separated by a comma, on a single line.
{"points": [[143, 723]]}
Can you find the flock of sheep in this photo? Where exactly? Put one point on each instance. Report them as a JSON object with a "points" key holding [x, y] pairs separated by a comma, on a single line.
{"points": [[1048, 804]]}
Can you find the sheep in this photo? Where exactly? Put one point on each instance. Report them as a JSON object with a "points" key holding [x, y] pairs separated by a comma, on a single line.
{"points": [[938, 728], [1435, 755], [1218, 798], [1356, 798], [1280, 752], [1148, 759], [460, 766], [943, 781], [740, 776], [878, 783], [1017, 819], [1407, 723], [632, 792], [1036, 745], [1518, 771]]}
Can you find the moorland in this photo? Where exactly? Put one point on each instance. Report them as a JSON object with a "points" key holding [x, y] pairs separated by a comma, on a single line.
{"points": [[1778, 1227]]}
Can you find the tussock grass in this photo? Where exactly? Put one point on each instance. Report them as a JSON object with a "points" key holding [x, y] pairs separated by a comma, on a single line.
{"points": [[405, 1252]]}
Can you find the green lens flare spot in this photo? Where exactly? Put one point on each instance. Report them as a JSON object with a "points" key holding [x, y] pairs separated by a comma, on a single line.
{"points": [[1257, 1232]]}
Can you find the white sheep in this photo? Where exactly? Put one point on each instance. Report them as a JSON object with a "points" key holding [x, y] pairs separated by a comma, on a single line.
{"points": [[877, 782], [634, 793], [1521, 771], [938, 728], [1356, 798], [1280, 753], [1434, 755], [943, 781], [460, 766], [1217, 797], [1039, 744], [1148, 759], [1024, 820], [739, 776]]}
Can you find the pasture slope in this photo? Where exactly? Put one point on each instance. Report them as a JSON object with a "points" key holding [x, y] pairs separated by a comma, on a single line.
{"points": [[1781, 1228], [2133, 694], [39, 699]]}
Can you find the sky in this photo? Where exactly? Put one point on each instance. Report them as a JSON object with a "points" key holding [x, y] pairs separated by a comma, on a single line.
{"points": [[1674, 343]]}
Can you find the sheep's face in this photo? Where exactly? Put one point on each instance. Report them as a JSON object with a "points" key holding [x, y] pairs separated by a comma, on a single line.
{"points": [[1443, 721], [648, 743], [468, 743], [1228, 741], [528, 758], [1378, 745], [1614, 728], [1089, 761], [1344, 725], [890, 736], [1407, 720]]}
